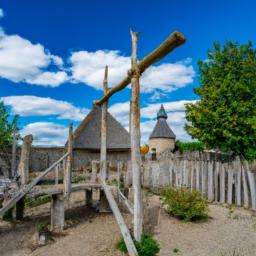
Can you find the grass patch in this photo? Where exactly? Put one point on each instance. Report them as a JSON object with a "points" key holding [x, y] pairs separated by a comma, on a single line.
{"points": [[79, 178], [185, 204], [147, 247], [36, 201]]}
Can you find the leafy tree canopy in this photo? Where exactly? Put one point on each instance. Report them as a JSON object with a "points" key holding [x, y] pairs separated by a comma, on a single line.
{"points": [[7, 126], [225, 116]]}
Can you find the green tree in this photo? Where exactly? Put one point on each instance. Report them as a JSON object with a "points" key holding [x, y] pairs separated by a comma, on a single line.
{"points": [[225, 116], [7, 126]]}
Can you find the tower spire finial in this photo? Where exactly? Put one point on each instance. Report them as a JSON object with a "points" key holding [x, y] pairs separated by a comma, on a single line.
{"points": [[161, 113]]}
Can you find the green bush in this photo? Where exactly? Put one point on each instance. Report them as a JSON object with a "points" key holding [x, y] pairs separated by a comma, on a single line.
{"points": [[147, 247], [36, 201], [185, 204], [188, 146]]}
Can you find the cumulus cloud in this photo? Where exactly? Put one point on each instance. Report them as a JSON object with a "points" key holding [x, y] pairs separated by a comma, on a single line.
{"points": [[51, 79], [88, 67], [167, 77], [28, 105], [46, 133], [176, 117], [23, 61]]}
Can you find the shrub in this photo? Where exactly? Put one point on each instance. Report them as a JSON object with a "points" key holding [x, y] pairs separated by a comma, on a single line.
{"points": [[188, 146], [42, 227], [147, 247], [185, 204]]}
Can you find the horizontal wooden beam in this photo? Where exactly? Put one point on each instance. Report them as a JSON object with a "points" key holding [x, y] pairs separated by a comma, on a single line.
{"points": [[172, 42]]}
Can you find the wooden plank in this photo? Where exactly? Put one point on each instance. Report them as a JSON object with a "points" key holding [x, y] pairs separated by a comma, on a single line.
{"points": [[24, 190], [135, 140], [210, 181], [230, 183], [245, 188], [252, 184], [222, 171], [238, 175], [23, 168], [172, 42], [68, 168], [120, 220], [103, 148], [127, 203], [216, 181], [14, 155], [192, 176]]}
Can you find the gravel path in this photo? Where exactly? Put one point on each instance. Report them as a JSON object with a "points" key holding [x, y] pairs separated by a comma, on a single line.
{"points": [[93, 234], [227, 231]]}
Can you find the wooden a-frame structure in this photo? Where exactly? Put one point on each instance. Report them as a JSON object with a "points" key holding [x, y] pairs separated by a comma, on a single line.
{"points": [[173, 41]]}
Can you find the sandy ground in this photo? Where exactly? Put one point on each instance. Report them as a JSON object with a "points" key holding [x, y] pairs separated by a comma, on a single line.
{"points": [[95, 234]]}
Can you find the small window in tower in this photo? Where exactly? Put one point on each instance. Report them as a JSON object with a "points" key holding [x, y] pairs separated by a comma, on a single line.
{"points": [[153, 154]]}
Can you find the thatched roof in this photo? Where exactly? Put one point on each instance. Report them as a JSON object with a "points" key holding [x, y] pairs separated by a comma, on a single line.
{"points": [[88, 133], [162, 129]]}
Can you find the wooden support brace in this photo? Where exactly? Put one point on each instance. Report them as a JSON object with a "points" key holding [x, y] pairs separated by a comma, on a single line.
{"points": [[57, 212], [172, 42], [24, 159], [68, 167]]}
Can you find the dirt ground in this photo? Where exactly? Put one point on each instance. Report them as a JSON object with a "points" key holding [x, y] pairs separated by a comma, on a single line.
{"points": [[95, 234]]}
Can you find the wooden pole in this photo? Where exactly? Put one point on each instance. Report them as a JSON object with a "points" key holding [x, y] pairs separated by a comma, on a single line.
{"points": [[68, 167], [14, 146], [135, 139], [172, 42], [24, 159], [103, 149]]}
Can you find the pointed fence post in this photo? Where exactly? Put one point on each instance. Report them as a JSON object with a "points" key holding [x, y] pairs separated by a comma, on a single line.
{"points": [[14, 147], [103, 149], [68, 167], [135, 139], [24, 159]]}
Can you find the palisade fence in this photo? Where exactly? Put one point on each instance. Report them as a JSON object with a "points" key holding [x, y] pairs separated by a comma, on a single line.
{"points": [[219, 177]]}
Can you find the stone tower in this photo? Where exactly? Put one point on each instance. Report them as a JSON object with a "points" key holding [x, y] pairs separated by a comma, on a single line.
{"points": [[162, 137]]}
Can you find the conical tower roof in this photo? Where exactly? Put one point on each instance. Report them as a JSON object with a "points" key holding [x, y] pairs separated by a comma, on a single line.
{"points": [[88, 134], [162, 129]]}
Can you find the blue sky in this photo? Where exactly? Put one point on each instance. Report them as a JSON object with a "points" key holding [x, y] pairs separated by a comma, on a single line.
{"points": [[52, 56]]}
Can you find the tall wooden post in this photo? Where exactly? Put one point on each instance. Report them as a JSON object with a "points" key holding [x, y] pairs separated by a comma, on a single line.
{"points": [[103, 149], [14, 146], [24, 159], [135, 139], [68, 167]]}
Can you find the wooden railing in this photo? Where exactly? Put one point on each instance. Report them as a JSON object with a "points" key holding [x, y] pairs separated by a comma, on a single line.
{"points": [[28, 187]]}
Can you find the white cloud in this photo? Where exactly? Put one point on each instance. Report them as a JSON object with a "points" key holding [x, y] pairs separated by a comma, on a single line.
{"points": [[176, 117], [88, 67], [51, 79], [23, 61], [27, 105], [167, 77], [46, 133], [1, 13]]}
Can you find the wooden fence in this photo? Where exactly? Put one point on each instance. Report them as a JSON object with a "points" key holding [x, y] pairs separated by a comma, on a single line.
{"points": [[219, 177]]}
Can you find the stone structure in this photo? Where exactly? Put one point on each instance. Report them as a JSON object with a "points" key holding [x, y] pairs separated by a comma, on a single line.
{"points": [[162, 137]]}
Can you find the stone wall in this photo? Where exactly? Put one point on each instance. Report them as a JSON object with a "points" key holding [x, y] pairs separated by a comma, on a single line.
{"points": [[41, 158], [161, 144]]}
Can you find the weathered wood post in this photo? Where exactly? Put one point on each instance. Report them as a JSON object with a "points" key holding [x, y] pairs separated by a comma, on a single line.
{"points": [[103, 149], [14, 147], [135, 139], [23, 168], [68, 167]]}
